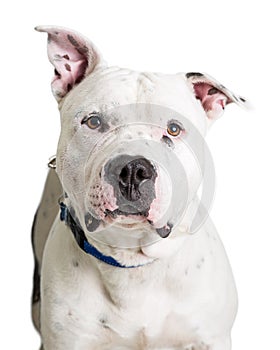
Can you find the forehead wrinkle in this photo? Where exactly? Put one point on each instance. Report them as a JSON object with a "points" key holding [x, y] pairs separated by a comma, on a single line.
{"points": [[145, 87]]}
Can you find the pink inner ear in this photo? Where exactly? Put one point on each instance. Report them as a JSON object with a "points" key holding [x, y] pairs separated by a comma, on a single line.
{"points": [[69, 58], [213, 100]]}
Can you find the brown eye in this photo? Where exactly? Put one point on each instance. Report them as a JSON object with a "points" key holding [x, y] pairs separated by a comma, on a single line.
{"points": [[174, 129], [93, 121]]}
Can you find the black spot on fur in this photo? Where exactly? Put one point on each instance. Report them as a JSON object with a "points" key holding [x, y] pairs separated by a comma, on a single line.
{"points": [[165, 231], [36, 294], [212, 91], [73, 214], [200, 263], [167, 141], [57, 73], [67, 67], [91, 222], [72, 40], [104, 127], [194, 74], [75, 263], [103, 321], [82, 50]]}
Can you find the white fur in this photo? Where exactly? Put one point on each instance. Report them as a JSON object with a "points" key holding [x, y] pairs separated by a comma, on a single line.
{"points": [[183, 298], [187, 296]]}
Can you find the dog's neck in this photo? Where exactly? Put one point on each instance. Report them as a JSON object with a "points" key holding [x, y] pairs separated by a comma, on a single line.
{"points": [[91, 248], [133, 257]]}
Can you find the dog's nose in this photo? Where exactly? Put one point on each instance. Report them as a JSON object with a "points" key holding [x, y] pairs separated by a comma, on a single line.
{"points": [[132, 175]]}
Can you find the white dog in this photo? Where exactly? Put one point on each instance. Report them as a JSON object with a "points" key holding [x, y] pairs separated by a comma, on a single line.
{"points": [[121, 268]]}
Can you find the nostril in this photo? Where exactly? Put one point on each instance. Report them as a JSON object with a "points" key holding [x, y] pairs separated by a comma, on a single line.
{"points": [[124, 176], [142, 173]]}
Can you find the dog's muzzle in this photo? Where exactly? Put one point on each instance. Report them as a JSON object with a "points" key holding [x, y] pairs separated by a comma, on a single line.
{"points": [[133, 181]]}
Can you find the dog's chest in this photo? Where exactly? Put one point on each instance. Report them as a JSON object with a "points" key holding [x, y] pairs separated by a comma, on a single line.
{"points": [[133, 313], [161, 330], [164, 304]]}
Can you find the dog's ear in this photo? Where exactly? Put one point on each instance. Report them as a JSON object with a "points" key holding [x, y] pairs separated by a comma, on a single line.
{"points": [[73, 57], [213, 96]]}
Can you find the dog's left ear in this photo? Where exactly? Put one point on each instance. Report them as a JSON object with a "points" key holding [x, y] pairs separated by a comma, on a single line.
{"points": [[213, 96], [73, 57]]}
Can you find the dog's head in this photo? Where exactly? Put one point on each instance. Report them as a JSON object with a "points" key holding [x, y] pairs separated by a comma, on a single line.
{"points": [[131, 150]]}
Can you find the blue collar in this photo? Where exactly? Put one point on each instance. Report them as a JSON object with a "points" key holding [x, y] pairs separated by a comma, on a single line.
{"points": [[82, 241]]}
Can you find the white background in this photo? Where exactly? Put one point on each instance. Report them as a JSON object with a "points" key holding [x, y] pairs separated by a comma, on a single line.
{"points": [[237, 42]]}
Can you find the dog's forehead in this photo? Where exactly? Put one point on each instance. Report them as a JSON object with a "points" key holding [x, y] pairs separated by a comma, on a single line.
{"points": [[111, 87]]}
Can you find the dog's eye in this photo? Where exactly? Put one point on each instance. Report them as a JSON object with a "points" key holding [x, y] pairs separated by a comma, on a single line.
{"points": [[174, 129], [93, 121]]}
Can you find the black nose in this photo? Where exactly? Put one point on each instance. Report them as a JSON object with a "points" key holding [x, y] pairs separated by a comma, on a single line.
{"points": [[133, 175]]}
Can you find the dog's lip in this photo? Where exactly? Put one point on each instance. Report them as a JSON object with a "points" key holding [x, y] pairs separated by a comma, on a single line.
{"points": [[126, 220], [117, 212]]}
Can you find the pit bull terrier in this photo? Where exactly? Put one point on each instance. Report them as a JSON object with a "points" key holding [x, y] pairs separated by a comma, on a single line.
{"points": [[119, 262]]}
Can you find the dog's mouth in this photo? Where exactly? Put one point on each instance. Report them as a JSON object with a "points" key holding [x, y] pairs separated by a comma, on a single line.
{"points": [[117, 213], [126, 219]]}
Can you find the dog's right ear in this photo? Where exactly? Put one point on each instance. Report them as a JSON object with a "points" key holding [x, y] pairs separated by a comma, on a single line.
{"points": [[73, 57]]}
